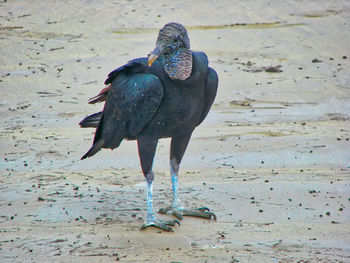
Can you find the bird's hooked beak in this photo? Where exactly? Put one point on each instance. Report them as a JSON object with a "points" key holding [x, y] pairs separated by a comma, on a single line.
{"points": [[154, 55]]}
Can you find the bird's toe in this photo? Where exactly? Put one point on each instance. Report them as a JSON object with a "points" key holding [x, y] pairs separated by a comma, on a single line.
{"points": [[165, 210], [172, 222], [180, 212], [177, 213], [157, 225], [202, 212], [203, 209], [199, 212], [161, 224]]}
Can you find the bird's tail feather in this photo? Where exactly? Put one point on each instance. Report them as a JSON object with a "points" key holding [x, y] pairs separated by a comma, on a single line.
{"points": [[91, 121], [94, 149], [102, 96]]}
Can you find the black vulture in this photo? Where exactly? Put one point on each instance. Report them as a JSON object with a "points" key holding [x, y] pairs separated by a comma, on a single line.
{"points": [[166, 95]]}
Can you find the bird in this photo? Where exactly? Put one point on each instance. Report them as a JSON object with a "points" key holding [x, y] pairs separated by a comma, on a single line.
{"points": [[165, 95]]}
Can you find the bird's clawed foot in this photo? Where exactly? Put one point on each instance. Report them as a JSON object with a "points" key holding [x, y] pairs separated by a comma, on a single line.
{"points": [[161, 224], [179, 212]]}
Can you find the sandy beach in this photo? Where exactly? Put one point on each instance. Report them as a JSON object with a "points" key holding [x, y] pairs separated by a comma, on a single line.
{"points": [[272, 159]]}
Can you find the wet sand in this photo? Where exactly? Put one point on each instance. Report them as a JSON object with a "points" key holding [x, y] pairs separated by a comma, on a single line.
{"points": [[272, 159]]}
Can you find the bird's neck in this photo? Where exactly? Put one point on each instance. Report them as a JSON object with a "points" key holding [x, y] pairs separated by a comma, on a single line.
{"points": [[178, 64]]}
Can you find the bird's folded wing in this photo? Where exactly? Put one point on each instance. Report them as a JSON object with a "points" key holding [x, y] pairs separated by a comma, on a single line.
{"points": [[132, 101], [138, 65], [211, 87]]}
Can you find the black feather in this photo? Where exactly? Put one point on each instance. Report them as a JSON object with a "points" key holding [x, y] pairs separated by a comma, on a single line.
{"points": [[91, 121], [93, 150]]}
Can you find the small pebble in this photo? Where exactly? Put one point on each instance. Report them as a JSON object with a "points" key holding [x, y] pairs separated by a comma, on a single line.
{"points": [[316, 60]]}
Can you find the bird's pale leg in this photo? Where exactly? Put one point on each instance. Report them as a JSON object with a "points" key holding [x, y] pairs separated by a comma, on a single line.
{"points": [[147, 149], [151, 219], [175, 185], [150, 214], [176, 208]]}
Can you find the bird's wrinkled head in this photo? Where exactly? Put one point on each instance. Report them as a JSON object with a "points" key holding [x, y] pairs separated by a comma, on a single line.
{"points": [[171, 37]]}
